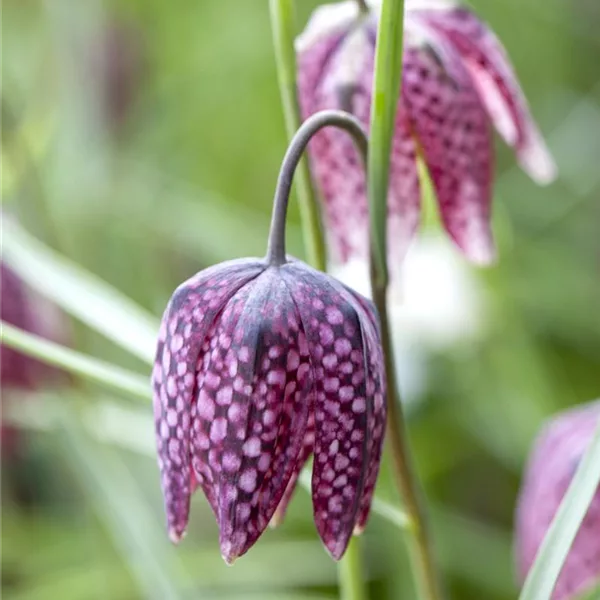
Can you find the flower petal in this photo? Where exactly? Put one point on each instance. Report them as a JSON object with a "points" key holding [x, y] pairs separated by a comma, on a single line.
{"points": [[307, 449], [549, 472], [187, 319], [343, 412], [450, 123], [376, 394], [253, 403], [344, 81], [498, 86]]}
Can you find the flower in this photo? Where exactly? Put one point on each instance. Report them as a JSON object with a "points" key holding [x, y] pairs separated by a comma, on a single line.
{"points": [[551, 467], [456, 79], [23, 308], [258, 366]]}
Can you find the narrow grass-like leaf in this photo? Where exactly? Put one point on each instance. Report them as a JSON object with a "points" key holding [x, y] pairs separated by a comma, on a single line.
{"points": [[134, 529], [75, 362], [80, 293], [557, 542]]}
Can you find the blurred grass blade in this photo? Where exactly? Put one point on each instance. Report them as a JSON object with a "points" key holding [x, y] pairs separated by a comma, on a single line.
{"points": [[133, 527], [74, 362], [563, 529], [80, 293]]}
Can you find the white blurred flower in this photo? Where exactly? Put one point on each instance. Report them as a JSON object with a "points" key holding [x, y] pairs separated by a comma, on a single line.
{"points": [[438, 303]]}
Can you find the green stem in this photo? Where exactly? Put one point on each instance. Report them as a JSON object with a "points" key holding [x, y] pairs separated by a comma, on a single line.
{"points": [[350, 573], [74, 362], [282, 23], [386, 91]]}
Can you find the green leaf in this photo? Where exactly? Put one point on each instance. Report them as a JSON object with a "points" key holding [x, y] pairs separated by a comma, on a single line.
{"points": [[133, 527], [80, 293], [557, 542], [79, 364]]}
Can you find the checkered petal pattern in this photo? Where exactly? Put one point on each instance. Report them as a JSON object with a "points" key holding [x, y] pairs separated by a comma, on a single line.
{"points": [[257, 368]]}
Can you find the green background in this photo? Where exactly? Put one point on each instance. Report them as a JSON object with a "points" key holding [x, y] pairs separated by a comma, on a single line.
{"points": [[142, 139]]}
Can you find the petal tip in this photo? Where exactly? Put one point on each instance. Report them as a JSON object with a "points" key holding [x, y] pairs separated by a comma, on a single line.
{"points": [[538, 163], [228, 553], [480, 249], [336, 548], [176, 535]]}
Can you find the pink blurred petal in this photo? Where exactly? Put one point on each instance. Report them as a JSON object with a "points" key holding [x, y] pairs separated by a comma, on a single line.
{"points": [[498, 86], [344, 82], [551, 467], [451, 126]]}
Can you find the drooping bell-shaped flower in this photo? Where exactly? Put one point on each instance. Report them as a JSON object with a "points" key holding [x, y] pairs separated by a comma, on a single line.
{"points": [[261, 363], [456, 79], [551, 467]]}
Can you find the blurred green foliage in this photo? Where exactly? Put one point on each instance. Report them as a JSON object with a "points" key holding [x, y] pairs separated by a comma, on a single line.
{"points": [[142, 139]]}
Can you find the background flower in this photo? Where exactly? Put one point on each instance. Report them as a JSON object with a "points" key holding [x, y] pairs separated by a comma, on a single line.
{"points": [[456, 79], [555, 456]]}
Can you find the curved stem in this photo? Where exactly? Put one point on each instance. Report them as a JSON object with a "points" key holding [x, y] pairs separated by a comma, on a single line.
{"points": [[325, 118], [386, 91]]}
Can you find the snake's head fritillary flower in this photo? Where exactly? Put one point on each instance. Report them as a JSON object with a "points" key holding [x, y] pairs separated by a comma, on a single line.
{"points": [[261, 363], [258, 367], [551, 467], [457, 80]]}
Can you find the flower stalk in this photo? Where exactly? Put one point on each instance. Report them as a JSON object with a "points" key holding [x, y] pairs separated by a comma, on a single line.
{"points": [[386, 91]]}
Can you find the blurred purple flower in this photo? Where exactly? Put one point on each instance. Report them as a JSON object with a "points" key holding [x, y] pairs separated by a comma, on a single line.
{"points": [[456, 79], [21, 307], [258, 366], [551, 467], [117, 64]]}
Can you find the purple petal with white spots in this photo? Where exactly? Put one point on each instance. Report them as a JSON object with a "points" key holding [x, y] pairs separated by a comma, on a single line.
{"points": [[337, 73], [344, 401], [497, 84], [451, 125], [376, 368], [308, 446], [184, 328], [551, 467], [253, 405]]}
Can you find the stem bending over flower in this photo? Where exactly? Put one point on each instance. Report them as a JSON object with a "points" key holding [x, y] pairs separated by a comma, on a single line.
{"points": [[326, 118]]}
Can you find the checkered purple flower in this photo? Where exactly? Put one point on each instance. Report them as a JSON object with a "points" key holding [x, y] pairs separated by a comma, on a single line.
{"points": [[555, 457], [260, 365], [456, 80]]}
